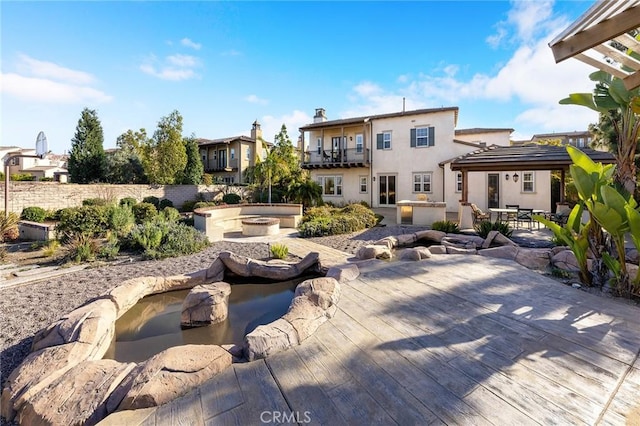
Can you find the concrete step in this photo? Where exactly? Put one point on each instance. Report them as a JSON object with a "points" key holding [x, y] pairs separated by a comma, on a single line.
{"points": [[34, 271], [40, 277]]}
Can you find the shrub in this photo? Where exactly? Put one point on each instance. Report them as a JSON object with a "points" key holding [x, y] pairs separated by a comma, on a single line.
{"points": [[144, 211], [165, 202], [25, 177], [160, 239], [201, 204], [188, 206], [111, 248], [446, 226], [11, 234], [231, 198], [327, 220], [207, 179], [51, 248], [46, 179], [279, 251], [95, 202], [128, 201], [90, 221], [153, 200], [34, 214], [121, 219], [483, 228], [82, 248], [8, 226], [53, 214], [171, 214]]}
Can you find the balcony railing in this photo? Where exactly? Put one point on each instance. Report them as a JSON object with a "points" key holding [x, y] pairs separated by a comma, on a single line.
{"points": [[341, 158], [221, 166]]}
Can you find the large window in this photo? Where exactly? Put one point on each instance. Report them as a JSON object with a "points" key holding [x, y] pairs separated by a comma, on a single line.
{"points": [[248, 153], [232, 155], [422, 182], [364, 180], [331, 185], [528, 182], [458, 181], [383, 140], [422, 136], [319, 145], [359, 143]]}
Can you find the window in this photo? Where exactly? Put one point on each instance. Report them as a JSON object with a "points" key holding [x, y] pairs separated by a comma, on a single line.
{"points": [[459, 182], [204, 158], [319, 144], [363, 184], [383, 140], [331, 185], [359, 143], [581, 142], [229, 179], [248, 153], [233, 153], [422, 136], [422, 182], [528, 183]]}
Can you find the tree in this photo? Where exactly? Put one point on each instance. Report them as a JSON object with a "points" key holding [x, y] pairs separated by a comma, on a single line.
{"points": [[620, 107], [87, 158], [164, 156], [125, 165], [193, 171]]}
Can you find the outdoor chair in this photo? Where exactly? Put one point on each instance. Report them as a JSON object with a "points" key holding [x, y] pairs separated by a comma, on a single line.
{"points": [[525, 216], [479, 215], [512, 217]]}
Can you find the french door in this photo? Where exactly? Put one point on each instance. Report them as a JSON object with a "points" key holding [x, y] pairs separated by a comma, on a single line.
{"points": [[493, 190], [387, 190]]}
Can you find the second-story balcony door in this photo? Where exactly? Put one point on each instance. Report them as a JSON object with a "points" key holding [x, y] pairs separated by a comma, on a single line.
{"points": [[222, 159], [387, 190]]}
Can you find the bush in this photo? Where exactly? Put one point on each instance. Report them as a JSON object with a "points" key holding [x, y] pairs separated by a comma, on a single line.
{"points": [[279, 251], [201, 204], [171, 214], [46, 179], [90, 221], [325, 220], [8, 226], [24, 177], [231, 198], [128, 201], [121, 219], [95, 202], [159, 239], [153, 200], [187, 206], [51, 248], [82, 248], [34, 214], [483, 228], [165, 202], [144, 211], [446, 226], [53, 215], [207, 179]]}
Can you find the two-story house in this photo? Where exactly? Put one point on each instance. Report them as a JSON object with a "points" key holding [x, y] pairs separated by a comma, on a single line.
{"points": [[227, 159], [385, 158], [51, 167], [579, 139]]}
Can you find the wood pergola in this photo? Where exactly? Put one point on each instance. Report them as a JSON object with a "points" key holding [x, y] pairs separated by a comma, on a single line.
{"points": [[521, 158], [590, 39]]}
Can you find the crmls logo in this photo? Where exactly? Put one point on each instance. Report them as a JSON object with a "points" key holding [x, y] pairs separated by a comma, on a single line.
{"points": [[284, 417]]}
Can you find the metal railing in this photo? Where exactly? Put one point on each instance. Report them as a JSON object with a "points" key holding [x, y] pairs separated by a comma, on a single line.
{"points": [[338, 157]]}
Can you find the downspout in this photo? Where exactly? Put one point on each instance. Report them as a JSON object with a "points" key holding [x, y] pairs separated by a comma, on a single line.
{"points": [[366, 120]]}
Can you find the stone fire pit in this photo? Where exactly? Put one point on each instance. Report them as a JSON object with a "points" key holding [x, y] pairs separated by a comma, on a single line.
{"points": [[260, 226]]}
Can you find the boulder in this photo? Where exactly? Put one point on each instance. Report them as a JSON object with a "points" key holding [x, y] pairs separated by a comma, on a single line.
{"points": [[415, 254], [487, 241], [324, 292], [456, 250], [343, 273], [77, 397], [390, 242], [565, 260], [440, 249], [206, 304], [406, 239], [465, 239], [177, 282], [128, 293], [503, 252], [534, 258], [305, 316], [430, 235], [168, 375], [632, 270], [373, 252], [503, 241], [269, 339], [632, 256], [215, 272], [246, 267]]}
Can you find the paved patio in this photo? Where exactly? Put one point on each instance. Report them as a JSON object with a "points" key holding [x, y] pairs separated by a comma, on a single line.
{"points": [[450, 340]]}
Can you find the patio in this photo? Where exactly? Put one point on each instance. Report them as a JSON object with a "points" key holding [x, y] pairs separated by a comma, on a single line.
{"points": [[447, 340]]}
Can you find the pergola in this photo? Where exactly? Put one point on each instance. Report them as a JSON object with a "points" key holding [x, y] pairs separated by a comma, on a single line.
{"points": [[590, 38], [519, 158]]}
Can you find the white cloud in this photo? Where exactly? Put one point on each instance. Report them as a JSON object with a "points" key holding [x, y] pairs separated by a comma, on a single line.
{"points": [[190, 43], [44, 90], [231, 52], [254, 99], [185, 61], [271, 125], [174, 67], [45, 69]]}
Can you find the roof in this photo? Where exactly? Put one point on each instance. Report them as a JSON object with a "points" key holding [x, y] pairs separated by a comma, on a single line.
{"points": [[364, 119], [528, 157], [202, 141], [560, 135], [479, 130], [589, 39]]}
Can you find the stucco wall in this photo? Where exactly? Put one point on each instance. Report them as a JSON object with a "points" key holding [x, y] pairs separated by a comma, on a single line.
{"points": [[350, 184], [53, 195]]}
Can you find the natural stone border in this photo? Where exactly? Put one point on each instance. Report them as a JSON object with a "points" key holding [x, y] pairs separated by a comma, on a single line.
{"points": [[66, 358]]}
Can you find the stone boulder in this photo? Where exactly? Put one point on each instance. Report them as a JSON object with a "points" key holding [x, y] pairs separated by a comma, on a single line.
{"points": [[466, 240], [503, 241], [246, 267], [390, 242], [415, 254], [565, 260], [632, 256], [206, 304], [78, 397], [457, 250], [168, 375], [324, 292], [373, 252], [178, 282], [343, 273], [503, 252], [215, 272], [268, 339], [128, 293], [534, 258], [439, 249], [306, 316], [406, 239], [430, 235]]}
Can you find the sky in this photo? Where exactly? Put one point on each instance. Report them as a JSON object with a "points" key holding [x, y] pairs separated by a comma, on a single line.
{"points": [[223, 65]]}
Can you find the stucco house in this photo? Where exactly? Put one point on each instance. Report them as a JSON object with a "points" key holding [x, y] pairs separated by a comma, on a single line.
{"points": [[52, 166], [227, 159], [385, 158]]}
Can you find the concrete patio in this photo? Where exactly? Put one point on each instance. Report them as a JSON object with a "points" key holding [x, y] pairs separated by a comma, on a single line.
{"points": [[449, 340]]}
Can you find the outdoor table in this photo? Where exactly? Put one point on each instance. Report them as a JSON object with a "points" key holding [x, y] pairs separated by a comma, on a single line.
{"points": [[503, 213]]}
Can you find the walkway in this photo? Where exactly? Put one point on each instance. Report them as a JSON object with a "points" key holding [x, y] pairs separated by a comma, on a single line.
{"points": [[443, 341]]}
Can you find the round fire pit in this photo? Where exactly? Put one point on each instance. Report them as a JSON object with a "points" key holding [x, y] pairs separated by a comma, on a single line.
{"points": [[259, 226]]}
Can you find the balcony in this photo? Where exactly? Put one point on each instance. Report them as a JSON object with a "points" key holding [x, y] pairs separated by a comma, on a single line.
{"points": [[334, 159], [221, 166]]}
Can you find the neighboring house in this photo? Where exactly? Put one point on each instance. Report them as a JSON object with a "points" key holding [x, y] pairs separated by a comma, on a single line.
{"points": [[577, 139], [385, 158], [227, 159], [52, 166]]}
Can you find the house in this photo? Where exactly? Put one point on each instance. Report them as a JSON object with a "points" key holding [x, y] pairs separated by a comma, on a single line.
{"points": [[385, 158], [51, 167], [227, 159], [579, 139]]}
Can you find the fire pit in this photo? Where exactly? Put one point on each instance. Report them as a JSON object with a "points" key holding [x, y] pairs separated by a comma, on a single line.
{"points": [[260, 226]]}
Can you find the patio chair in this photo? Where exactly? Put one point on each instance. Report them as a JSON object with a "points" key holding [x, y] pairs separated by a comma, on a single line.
{"points": [[479, 215], [525, 216], [512, 217]]}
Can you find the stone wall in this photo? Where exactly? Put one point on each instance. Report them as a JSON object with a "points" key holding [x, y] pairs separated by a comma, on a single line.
{"points": [[55, 195]]}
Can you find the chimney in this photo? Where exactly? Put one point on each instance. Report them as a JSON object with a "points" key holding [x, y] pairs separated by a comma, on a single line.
{"points": [[256, 131], [320, 117]]}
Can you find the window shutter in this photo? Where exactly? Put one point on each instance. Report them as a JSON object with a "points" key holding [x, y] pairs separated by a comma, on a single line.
{"points": [[432, 136], [413, 138], [379, 142]]}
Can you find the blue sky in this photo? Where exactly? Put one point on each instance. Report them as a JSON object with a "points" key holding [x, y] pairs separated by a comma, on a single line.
{"points": [[225, 64]]}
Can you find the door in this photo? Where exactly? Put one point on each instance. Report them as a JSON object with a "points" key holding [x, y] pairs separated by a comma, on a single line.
{"points": [[222, 159], [493, 190], [387, 190]]}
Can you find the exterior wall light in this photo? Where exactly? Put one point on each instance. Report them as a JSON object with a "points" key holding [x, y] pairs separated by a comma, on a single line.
{"points": [[515, 177], [506, 177]]}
